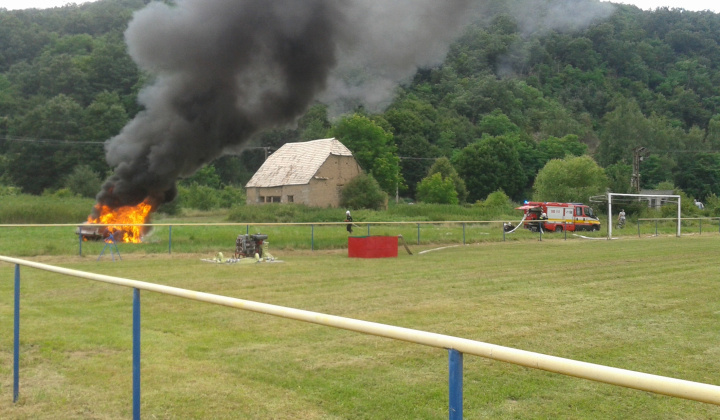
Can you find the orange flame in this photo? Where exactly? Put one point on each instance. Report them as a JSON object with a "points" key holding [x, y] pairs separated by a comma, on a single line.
{"points": [[122, 216]]}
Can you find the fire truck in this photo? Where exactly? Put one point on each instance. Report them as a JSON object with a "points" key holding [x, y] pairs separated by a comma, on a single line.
{"points": [[556, 217]]}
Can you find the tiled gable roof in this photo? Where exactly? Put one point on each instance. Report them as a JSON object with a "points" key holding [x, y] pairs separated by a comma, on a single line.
{"points": [[296, 163]]}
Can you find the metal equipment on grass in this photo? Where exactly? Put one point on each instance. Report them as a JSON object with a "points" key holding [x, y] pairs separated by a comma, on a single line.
{"points": [[249, 245]]}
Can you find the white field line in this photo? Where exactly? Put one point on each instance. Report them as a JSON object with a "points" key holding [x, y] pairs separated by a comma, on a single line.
{"points": [[437, 249]]}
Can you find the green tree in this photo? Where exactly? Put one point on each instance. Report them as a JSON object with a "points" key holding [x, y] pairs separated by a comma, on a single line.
{"points": [[496, 124], [492, 163], [104, 117], [623, 129], [373, 148], [436, 189], [206, 176], [414, 124], [655, 169], [231, 170], [8, 98], [83, 181], [573, 179], [444, 167], [61, 74], [417, 157], [314, 124], [558, 148], [713, 133], [110, 68], [60, 118], [37, 164], [699, 174], [619, 176]]}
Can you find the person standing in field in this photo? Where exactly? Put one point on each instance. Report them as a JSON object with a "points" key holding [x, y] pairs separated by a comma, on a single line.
{"points": [[349, 219], [621, 219]]}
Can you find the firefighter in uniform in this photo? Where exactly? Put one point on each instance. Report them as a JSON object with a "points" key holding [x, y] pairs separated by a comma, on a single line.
{"points": [[348, 218]]}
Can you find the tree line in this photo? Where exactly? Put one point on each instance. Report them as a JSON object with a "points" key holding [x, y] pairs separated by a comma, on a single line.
{"points": [[533, 115]]}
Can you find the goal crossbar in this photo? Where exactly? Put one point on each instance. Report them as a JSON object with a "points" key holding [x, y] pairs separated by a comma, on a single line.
{"points": [[610, 200]]}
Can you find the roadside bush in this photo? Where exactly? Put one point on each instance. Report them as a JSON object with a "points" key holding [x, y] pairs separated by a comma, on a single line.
{"points": [[496, 204], [712, 205], [7, 191], [435, 189], [198, 197], [172, 208], [687, 207], [231, 196], [363, 192]]}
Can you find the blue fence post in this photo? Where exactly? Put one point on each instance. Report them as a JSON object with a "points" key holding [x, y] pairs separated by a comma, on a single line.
{"points": [[701, 226], [80, 237], [503, 225], [247, 229], [455, 383], [463, 233], [418, 241], [16, 337], [312, 237], [638, 227], [368, 229], [136, 354], [170, 240]]}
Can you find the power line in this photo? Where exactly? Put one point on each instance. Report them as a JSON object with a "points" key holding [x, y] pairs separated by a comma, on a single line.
{"points": [[684, 151], [50, 141]]}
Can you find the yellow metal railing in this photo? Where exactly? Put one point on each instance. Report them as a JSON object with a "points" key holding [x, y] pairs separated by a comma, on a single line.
{"points": [[631, 379]]}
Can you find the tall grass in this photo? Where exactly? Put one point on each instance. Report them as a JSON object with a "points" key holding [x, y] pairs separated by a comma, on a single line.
{"points": [[30, 209], [420, 224], [422, 212]]}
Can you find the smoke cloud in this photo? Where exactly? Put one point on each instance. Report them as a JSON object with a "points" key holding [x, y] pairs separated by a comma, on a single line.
{"points": [[225, 70]]}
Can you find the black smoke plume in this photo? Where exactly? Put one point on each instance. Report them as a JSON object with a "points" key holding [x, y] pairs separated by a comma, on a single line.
{"points": [[225, 70]]}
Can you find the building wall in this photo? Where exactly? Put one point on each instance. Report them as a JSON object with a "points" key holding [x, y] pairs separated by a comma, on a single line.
{"points": [[326, 185], [323, 190], [282, 194]]}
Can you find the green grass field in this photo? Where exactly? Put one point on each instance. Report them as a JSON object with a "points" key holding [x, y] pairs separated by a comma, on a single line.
{"points": [[648, 304]]}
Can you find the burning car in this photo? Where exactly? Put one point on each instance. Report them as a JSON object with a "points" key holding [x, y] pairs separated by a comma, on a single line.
{"points": [[123, 224], [91, 232]]}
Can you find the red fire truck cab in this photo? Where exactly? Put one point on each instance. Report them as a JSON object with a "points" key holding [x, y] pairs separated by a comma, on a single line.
{"points": [[556, 217]]}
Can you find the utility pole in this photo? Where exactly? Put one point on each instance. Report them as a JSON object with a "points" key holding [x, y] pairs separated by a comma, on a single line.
{"points": [[638, 156]]}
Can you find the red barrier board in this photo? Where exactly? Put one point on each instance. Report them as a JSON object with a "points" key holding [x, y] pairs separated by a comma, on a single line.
{"points": [[372, 246]]}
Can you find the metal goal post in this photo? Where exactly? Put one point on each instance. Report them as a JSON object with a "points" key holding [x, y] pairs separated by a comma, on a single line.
{"points": [[639, 197]]}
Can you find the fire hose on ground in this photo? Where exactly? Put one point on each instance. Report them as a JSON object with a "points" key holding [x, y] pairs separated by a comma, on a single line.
{"points": [[519, 224]]}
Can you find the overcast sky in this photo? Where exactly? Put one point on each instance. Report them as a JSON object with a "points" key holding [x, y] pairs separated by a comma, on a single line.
{"points": [[713, 5]]}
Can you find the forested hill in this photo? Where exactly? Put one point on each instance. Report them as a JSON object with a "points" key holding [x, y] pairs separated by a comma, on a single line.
{"points": [[505, 101]]}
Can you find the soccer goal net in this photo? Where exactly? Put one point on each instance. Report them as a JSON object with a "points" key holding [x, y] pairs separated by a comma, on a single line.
{"points": [[651, 199]]}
